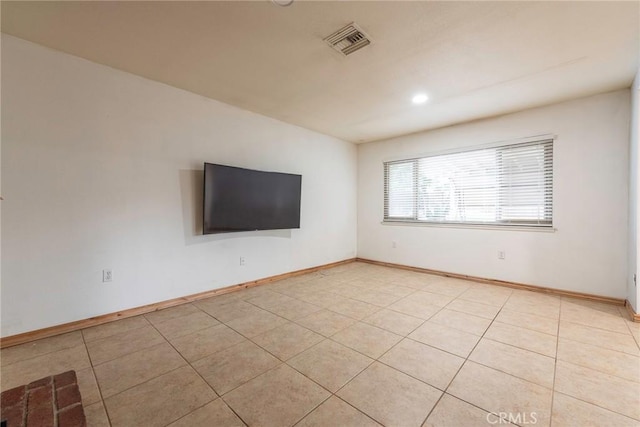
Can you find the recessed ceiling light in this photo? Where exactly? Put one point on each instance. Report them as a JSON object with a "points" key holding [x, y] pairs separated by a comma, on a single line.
{"points": [[420, 98]]}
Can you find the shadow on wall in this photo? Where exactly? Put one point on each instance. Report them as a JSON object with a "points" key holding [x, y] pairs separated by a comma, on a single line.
{"points": [[192, 192]]}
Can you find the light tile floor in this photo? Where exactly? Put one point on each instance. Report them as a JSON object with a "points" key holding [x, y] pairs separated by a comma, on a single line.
{"points": [[356, 345]]}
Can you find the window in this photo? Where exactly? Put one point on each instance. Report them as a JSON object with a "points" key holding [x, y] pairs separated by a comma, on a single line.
{"points": [[503, 185]]}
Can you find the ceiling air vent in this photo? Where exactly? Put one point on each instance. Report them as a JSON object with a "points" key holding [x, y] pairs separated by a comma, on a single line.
{"points": [[348, 39]]}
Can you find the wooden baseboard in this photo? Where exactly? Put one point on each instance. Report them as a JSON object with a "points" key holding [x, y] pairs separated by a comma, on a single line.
{"points": [[522, 286], [634, 316], [136, 311]]}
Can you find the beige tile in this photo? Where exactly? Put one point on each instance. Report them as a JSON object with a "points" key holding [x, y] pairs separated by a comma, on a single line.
{"points": [[23, 372], [352, 308], [613, 393], [600, 359], [398, 290], [524, 338], [267, 300], [184, 325], [515, 361], [390, 397], [335, 412], [37, 348], [88, 386], [490, 295], [599, 337], [570, 412], [531, 303], [394, 321], [430, 298], [294, 291], [171, 313], [279, 397], [215, 413], [634, 328], [414, 308], [365, 283], [534, 296], [547, 325], [330, 364], [601, 307], [416, 285], [367, 339], [219, 299], [228, 310], [256, 291], [416, 282], [112, 328], [295, 309], [474, 308], [256, 323], [381, 299], [127, 371], [623, 312], [123, 343], [445, 338], [452, 412], [428, 364], [347, 290], [321, 299], [596, 317], [161, 400], [461, 321], [206, 341], [635, 332], [288, 340], [96, 415], [496, 392], [227, 369], [235, 295], [451, 287], [326, 322]]}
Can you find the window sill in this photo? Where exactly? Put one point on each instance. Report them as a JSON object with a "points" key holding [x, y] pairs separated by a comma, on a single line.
{"points": [[536, 229]]}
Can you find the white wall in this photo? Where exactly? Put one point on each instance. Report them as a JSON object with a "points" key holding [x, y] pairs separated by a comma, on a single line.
{"points": [[632, 289], [587, 253], [103, 169]]}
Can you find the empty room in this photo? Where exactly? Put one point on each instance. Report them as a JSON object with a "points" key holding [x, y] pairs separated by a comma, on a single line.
{"points": [[319, 213]]}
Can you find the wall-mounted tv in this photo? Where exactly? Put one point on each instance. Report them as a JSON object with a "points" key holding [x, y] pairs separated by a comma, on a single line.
{"points": [[237, 199]]}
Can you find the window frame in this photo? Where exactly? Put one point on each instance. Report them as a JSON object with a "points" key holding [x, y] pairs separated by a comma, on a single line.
{"points": [[524, 224]]}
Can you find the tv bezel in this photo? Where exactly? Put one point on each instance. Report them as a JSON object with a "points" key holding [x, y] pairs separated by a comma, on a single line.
{"points": [[204, 189]]}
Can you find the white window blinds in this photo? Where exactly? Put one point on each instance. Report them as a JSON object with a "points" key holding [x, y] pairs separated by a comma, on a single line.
{"points": [[504, 185]]}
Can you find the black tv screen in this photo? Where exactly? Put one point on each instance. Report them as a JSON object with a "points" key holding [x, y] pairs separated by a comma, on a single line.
{"points": [[237, 199]]}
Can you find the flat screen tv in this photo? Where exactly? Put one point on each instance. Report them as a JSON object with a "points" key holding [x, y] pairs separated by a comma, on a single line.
{"points": [[237, 199]]}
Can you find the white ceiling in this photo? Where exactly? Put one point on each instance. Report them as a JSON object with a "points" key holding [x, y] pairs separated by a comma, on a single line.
{"points": [[474, 59]]}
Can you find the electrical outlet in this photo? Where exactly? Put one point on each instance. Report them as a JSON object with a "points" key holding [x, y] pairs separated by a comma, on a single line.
{"points": [[242, 260], [501, 254], [107, 275], [634, 280]]}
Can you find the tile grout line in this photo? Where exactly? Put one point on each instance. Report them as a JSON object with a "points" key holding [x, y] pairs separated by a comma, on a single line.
{"points": [[284, 362], [598, 406], [466, 359], [373, 360], [632, 334], [218, 396], [95, 377], [598, 328], [555, 363], [149, 323], [403, 336], [192, 368]]}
